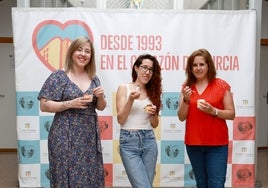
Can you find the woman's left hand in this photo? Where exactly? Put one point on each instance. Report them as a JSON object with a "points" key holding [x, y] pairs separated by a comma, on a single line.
{"points": [[206, 107], [150, 109], [98, 92]]}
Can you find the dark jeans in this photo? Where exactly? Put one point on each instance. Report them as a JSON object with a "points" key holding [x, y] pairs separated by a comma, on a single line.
{"points": [[209, 165]]}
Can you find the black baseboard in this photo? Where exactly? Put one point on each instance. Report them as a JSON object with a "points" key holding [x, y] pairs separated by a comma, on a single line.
{"points": [[2, 150], [263, 148]]}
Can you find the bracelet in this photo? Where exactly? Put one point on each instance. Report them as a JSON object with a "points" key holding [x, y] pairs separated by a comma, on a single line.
{"points": [[186, 101], [216, 112], [67, 104]]}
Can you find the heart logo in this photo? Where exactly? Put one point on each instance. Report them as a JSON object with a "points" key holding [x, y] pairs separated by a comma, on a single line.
{"points": [[172, 151], [52, 38]]}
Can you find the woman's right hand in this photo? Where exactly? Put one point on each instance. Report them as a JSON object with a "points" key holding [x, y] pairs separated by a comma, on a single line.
{"points": [[134, 95], [186, 92], [81, 102]]}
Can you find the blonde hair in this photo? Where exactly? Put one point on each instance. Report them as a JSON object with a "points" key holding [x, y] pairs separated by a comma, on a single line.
{"points": [[77, 43]]}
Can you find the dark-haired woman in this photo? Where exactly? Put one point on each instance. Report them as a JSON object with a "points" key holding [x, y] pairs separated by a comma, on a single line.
{"points": [[138, 104]]}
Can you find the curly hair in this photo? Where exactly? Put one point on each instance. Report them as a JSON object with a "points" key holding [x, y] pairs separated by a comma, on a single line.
{"points": [[191, 79], [154, 86]]}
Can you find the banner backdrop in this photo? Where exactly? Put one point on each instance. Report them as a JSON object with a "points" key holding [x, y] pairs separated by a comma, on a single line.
{"points": [[42, 36]]}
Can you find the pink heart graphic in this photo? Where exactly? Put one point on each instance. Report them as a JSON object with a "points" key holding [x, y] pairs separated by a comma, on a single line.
{"points": [[52, 38]]}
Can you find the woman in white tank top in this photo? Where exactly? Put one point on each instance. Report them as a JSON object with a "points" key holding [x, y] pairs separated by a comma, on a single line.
{"points": [[138, 104]]}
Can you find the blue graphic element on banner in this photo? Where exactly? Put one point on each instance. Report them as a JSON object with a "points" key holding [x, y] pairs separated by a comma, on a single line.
{"points": [[49, 31], [45, 124], [170, 102], [29, 152], [189, 178], [172, 152], [44, 175], [27, 104]]}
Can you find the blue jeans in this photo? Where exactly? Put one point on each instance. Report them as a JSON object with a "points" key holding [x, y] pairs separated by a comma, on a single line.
{"points": [[209, 165], [138, 151]]}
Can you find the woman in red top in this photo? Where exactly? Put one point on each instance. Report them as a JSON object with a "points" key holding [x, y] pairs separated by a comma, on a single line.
{"points": [[206, 135]]}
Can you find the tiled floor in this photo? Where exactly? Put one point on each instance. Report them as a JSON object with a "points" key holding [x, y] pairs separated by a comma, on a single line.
{"points": [[9, 169], [262, 168]]}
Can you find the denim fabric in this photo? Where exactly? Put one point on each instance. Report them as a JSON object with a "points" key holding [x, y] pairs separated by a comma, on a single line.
{"points": [[209, 165], [138, 151]]}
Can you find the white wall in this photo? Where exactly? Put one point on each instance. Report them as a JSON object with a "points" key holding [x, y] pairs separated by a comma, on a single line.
{"points": [[5, 17], [8, 134], [8, 138], [264, 30], [262, 131]]}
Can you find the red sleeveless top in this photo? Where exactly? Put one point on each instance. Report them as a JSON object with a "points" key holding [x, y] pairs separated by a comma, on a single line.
{"points": [[202, 128]]}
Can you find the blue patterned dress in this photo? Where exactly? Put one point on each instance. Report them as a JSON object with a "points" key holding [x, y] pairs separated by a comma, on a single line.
{"points": [[75, 157]]}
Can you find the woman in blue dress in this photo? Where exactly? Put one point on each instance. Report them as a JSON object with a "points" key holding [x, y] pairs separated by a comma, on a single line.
{"points": [[74, 94]]}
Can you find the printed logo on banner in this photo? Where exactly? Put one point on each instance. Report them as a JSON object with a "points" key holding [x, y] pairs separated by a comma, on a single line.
{"points": [[29, 174], [28, 128], [244, 128], [27, 104], [52, 38], [172, 128], [172, 152], [29, 151], [108, 173], [45, 124], [172, 174], [106, 127], [243, 175], [170, 102], [120, 178]]}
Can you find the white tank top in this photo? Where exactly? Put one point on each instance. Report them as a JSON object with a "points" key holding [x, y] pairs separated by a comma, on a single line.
{"points": [[138, 118]]}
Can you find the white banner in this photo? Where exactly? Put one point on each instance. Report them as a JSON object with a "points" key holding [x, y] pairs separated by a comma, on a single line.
{"points": [[42, 36]]}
